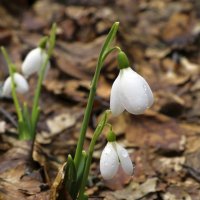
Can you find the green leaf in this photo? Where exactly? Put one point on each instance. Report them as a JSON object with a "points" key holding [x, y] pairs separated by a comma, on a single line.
{"points": [[81, 166], [27, 117], [23, 131], [34, 119], [85, 197], [109, 39], [52, 39], [70, 175], [80, 172], [43, 42]]}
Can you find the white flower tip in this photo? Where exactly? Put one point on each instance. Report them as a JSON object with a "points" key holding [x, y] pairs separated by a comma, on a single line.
{"points": [[125, 160]]}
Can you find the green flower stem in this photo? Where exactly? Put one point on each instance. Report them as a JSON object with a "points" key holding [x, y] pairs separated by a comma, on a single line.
{"points": [[104, 52], [110, 51], [14, 94], [97, 132], [35, 109]]}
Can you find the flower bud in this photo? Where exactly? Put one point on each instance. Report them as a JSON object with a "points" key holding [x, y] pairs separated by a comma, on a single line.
{"points": [[34, 61], [21, 85]]}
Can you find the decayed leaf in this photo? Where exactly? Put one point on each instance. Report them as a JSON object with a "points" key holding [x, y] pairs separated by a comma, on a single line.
{"points": [[2, 126], [181, 27], [156, 131], [176, 193], [192, 164], [188, 66], [57, 185], [134, 191], [61, 122], [17, 173]]}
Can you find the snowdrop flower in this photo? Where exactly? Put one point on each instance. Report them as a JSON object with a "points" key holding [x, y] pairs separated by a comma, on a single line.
{"points": [[112, 157], [33, 62], [130, 91], [20, 82]]}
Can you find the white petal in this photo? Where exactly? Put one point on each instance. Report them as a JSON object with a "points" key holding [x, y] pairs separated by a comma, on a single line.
{"points": [[135, 93], [21, 83], [148, 93], [125, 160], [109, 162], [6, 91], [34, 61], [115, 104]]}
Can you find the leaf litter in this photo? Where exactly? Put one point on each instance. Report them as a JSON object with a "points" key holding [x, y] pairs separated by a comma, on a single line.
{"points": [[162, 41]]}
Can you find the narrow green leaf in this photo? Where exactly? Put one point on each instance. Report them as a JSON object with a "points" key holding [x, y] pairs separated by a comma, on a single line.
{"points": [[70, 175], [52, 39], [109, 39], [80, 172], [81, 166], [23, 131], [34, 119], [27, 122], [85, 197]]}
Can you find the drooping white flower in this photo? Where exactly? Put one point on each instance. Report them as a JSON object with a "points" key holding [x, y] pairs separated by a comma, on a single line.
{"points": [[130, 92], [20, 83], [112, 156], [34, 61]]}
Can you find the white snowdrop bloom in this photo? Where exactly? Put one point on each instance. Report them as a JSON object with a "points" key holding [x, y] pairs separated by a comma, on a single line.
{"points": [[112, 156], [20, 82], [33, 62], [130, 92]]}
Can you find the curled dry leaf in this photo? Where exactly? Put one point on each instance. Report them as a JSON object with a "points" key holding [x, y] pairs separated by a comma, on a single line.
{"points": [[57, 185]]}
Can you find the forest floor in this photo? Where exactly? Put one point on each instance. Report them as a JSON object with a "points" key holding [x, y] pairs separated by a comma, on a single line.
{"points": [[162, 40]]}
